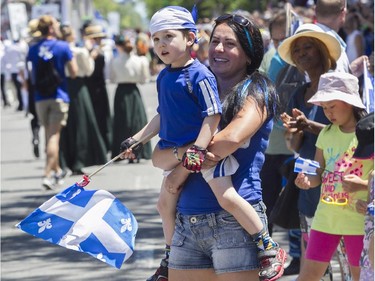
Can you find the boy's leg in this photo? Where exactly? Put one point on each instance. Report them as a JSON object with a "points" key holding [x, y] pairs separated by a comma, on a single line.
{"points": [[272, 257], [167, 209]]}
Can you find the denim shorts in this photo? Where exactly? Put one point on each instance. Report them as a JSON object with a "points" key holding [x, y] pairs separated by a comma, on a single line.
{"points": [[215, 241]]}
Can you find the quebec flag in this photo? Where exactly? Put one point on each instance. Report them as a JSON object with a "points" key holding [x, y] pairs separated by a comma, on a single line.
{"points": [[306, 166], [90, 221]]}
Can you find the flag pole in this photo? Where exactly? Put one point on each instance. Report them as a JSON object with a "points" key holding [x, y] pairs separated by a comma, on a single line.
{"points": [[86, 178]]}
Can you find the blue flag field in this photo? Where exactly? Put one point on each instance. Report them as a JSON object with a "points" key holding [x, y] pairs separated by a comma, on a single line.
{"points": [[90, 221]]}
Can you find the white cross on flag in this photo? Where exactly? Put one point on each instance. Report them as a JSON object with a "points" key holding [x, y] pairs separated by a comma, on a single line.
{"points": [[90, 221], [306, 166]]}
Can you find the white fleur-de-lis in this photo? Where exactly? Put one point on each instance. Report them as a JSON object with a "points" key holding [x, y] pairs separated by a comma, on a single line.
{"points": [[43, 225], [76, 193], [44, 52], [101, 257], [127, 225]]}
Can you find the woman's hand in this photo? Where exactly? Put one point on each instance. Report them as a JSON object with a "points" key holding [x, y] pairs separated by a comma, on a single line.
{"points": [[302, 181], [175, 180], [294, 123], [211, 160]]}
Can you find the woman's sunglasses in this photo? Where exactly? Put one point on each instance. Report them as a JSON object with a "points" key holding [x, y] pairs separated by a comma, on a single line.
{"points": [[240, 20]]}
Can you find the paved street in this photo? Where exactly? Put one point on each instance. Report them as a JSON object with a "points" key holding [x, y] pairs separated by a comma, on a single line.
{"points": [[136, 185]]}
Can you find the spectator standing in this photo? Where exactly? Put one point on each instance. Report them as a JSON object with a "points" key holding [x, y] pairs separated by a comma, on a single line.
{"points": [[96, 82], [126, 70], [52, 111], [14, 62], [277, 152], [81, 143], [336, 216], [355, 41], [4, 96], [330, 17], [243, 90], [34, 38], [365, 150], [314, 52]]}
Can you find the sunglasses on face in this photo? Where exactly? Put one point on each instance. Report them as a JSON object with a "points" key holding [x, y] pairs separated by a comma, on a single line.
{"points": [[338, 201], [241, 21]]}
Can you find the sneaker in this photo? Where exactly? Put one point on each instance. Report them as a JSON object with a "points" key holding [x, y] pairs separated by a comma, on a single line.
{"points": [[271, 264], [59, 177], [47, 183], [161, 273], [293, 267]]}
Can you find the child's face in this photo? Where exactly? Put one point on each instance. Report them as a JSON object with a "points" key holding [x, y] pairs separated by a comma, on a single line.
{"points": [[173, 47], [337, 112]]}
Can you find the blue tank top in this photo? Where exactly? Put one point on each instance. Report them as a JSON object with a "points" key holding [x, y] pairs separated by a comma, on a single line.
{"points": [[196, 196]]}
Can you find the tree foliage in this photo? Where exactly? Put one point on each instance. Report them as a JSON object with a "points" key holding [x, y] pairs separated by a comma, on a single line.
{"points": [[208, 8], [130, 18]]}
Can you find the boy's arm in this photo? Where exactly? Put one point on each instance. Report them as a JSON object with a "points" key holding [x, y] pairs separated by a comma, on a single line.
{"points": [[208, 129], [144, 135], [194, 156]]}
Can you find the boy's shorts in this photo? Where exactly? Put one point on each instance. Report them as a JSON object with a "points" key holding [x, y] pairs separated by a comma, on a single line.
{"points": [[215, 241], [52, 111]]}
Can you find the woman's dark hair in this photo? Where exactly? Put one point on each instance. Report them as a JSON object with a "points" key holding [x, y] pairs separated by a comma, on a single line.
{"points": [[260, 89], [248, 35]]}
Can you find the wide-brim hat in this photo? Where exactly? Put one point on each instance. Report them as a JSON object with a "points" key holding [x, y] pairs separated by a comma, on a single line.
{"points": [[338, 86], [364, 132], [32, 28], [94, 31], [314, 31]]}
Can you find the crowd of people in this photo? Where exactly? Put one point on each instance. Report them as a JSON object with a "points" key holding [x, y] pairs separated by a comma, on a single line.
{"points": [[240, 97]]}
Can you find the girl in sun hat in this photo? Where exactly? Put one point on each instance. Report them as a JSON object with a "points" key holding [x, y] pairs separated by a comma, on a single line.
{"points": [[336, 216]]}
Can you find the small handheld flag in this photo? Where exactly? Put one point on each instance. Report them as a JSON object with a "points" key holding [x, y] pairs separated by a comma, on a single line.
{"points": [[306, 166], [90, 221]]}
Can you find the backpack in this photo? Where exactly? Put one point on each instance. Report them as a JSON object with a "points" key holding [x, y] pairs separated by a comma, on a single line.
{"points": [[47, 78]]}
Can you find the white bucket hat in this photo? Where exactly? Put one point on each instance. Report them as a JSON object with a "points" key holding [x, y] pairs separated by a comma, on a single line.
{"points": [[172, 17], [338, 86], [314, 31]]}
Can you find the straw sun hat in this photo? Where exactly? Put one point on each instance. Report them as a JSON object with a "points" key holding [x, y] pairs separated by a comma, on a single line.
{"points": [[314, 31], [94, 31], [33, 28]]}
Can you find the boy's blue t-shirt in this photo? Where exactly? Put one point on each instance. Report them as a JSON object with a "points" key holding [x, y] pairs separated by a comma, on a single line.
{"points": [[186, 96], [61, 55]]}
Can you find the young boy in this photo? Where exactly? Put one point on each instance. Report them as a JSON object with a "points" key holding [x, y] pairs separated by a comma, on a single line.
{"points": [[189, 112]]}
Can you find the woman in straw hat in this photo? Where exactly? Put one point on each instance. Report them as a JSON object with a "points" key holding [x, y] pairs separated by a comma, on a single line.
{"points": [[313, 52], [81, 142]]}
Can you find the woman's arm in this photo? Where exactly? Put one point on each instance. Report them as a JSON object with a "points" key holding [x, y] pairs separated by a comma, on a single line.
{"points": [[242, 127]]}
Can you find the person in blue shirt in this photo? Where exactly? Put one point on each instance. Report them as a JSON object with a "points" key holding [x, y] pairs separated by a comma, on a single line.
{"points": [[52, 110], [188, 115]]}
